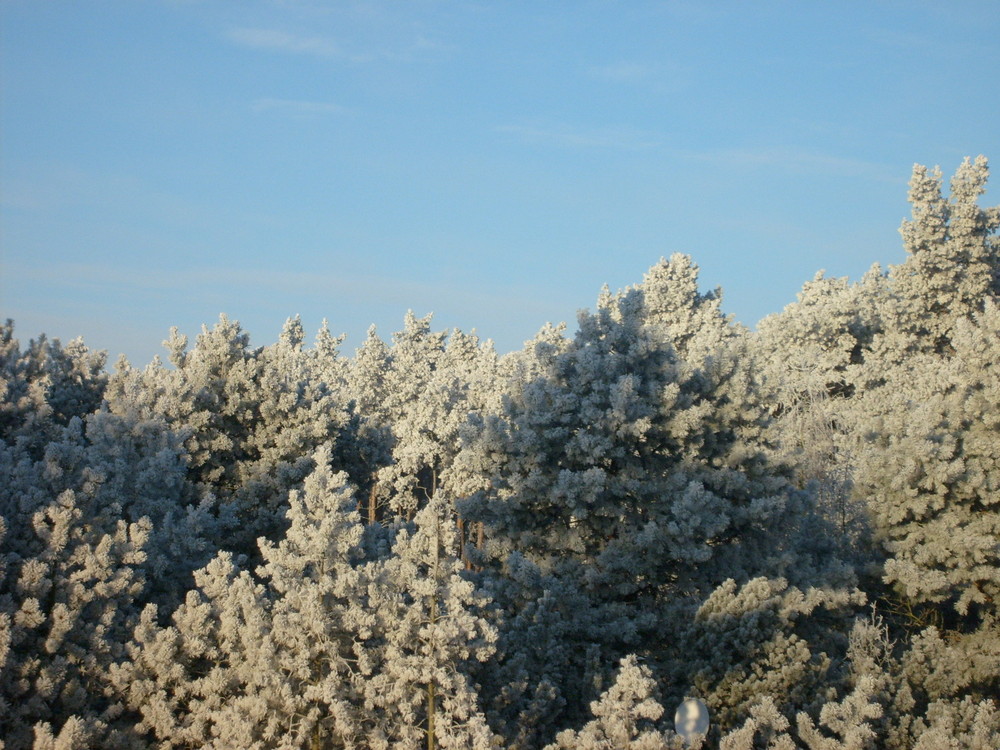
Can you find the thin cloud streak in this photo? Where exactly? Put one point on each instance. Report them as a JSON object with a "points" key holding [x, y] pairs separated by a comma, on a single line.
{"points": [[622, 72], [283, 41], [566, 137], [796, 161], [659, 78], [325, 47], [299, 107]]}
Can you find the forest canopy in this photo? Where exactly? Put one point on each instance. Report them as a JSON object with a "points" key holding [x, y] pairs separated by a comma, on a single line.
{"points": [[428, 545]]}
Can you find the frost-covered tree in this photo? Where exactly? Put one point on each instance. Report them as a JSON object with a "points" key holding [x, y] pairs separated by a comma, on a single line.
{"points": [[432, 381], [636, 481], [193, 395], [66, 602], [43, 387], [931, 471], [262, 663], [419, 694], [762, 638], [811, 359], [625, 459], [324, 647], [101, 523], [954, 256], [251, 418], [628, 716], [329, 366]]}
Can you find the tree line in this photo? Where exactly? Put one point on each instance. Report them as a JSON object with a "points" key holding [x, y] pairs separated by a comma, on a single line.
{"points": [[427, 544]]}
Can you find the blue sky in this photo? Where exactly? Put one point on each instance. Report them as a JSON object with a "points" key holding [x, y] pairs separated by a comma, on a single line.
{"points": [[494, 163]]}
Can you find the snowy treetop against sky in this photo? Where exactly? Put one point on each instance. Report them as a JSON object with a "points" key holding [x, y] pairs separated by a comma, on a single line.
{"points": [[494, 163]]}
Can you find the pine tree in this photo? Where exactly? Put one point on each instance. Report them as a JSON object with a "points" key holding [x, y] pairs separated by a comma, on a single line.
{"points": [[420, 695], [103, 522], [326, 646], [954, 257], [251, 419], [931, 473], [255, 664], [627, 716], [43, 387], [66, 601], [624, 458]]}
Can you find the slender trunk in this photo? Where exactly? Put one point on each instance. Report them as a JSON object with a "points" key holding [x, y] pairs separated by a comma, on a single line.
{"points": [[373, 504], [430, 716], [462, 541], [431, 739]]}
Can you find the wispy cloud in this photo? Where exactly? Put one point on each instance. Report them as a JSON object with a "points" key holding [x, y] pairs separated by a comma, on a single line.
{"points": [[622, 72], [325, 46], [569, 137], [661, 77], [283, 41], [299, 107], [799, 161]]}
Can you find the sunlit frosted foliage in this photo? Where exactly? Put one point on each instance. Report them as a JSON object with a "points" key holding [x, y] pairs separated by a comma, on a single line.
{"points": [[67, 598], [324, 646], [627, 716], [759, 639], [764, 728], [931, 473], [953, 253], [251, 419], [418, 693], [963, 725], [46, 385], [422, 389]]}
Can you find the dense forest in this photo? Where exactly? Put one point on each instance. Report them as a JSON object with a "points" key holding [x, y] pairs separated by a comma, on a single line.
{"points": [[426, 544]]}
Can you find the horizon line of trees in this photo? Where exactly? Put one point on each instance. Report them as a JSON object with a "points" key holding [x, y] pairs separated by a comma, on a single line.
{"points": [[428, 545]]}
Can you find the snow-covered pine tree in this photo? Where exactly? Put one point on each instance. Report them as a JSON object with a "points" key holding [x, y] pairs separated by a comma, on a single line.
{"points": [[422, 390], [324, 647], [101, 523], [43, 387], [810, 360], [627, 716], [66, 599], [430, 626], [954, 256], [931, 473], [251, 419], [262, 663], [636, 481], [628, 463], [193, 396]]}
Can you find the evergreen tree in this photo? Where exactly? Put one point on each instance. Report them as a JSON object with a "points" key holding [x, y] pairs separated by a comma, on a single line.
{"points": [[625, 718], [954, 257], [624, 459], [326, 647], [101, 524], [419, 694], [931, 473], [43, 387], [251, 419]]}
